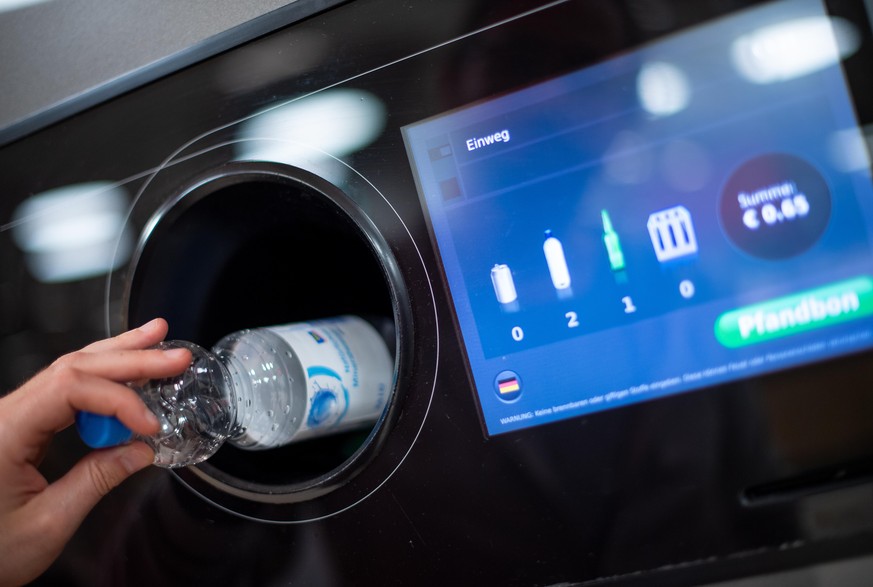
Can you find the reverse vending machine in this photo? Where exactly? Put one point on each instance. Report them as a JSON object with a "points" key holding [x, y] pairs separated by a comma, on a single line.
{"points": [[624, 252]]}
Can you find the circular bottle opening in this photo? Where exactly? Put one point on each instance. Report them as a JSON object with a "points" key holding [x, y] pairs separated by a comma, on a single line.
{"points": [[243, 250]]}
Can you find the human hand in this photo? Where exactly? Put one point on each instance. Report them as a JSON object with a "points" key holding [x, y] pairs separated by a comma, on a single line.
{"points": [[37, 518]]}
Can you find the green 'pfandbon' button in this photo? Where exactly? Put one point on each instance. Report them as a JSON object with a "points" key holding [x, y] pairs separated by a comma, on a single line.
{"points": [[807, 310]]}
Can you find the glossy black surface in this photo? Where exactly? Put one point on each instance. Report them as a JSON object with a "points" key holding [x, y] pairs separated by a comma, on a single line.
{"points": [[662, 493]]}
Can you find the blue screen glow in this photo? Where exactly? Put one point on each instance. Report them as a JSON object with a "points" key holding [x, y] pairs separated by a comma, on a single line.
{"points": [[668, 220]]}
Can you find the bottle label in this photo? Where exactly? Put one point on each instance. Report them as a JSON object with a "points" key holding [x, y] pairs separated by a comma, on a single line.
{"points": [[348, 370]]}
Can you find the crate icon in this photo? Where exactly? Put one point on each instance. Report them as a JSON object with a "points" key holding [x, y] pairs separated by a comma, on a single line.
{"points": [[672, 233]]}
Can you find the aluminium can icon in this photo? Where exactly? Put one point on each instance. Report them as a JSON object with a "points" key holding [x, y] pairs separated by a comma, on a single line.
{"points": [[504, 286]]}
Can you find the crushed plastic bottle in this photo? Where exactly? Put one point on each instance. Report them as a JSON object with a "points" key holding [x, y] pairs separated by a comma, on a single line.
{"points": [[267, 387]]}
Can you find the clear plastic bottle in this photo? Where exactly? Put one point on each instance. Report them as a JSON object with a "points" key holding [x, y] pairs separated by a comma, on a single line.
{"points": [[267, 387]]}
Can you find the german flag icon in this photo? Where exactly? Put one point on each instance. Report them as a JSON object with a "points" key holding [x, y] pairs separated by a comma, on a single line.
{"points": [[508, 385]]}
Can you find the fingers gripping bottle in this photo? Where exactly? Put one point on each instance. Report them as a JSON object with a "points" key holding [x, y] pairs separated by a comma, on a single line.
{"points": [[268, 387]]}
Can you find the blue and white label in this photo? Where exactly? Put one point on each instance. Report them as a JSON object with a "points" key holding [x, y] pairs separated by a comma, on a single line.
{"points": [[348, 370]]}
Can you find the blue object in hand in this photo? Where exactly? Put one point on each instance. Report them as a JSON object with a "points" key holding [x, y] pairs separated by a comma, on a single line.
{"points": [[98, 431]]}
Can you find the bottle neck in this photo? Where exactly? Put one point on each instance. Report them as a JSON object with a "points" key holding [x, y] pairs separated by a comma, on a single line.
{"points": [[607, 223], [194, 408]]}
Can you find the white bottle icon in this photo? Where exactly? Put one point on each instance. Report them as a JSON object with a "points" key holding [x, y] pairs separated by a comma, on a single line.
{"points": [[556, 261]]}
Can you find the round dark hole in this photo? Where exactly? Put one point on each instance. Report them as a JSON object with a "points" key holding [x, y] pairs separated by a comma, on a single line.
{"points": [[242, 253]]}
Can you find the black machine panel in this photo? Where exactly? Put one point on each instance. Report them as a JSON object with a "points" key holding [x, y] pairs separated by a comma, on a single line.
{"points": [[626, 248]]}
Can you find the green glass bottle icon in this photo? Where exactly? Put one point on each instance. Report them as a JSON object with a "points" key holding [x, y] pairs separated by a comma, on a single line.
{"points": [[613, 245]]}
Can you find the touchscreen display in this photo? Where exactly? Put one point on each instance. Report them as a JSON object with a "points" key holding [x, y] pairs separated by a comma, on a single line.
{"points": [[694, 212]]}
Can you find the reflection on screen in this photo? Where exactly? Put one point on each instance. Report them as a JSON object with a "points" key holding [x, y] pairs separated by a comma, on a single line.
{"points": [[660, 222]]}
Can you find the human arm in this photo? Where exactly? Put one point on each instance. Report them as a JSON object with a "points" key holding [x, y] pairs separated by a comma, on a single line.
{"points": [[38, 518]]}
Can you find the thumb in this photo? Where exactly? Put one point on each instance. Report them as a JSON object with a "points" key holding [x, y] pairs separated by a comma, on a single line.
{"points": [[76, 493]]}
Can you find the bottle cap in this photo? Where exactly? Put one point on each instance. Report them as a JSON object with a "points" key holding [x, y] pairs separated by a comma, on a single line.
{"points": [[99, 431]]}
